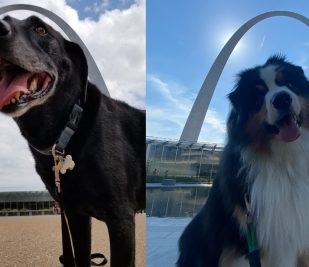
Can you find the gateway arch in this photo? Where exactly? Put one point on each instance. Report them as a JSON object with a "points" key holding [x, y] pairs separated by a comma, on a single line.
{"points": [[94, 73], [197, 115]]}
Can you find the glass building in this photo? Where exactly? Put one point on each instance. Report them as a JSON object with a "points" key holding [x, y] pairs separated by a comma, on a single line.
{"points": [[179, 176], [182, 161], [26, 203]]}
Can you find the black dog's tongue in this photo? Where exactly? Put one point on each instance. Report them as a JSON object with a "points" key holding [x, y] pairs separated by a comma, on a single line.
{"points": [[289, 130], [9, 85]]}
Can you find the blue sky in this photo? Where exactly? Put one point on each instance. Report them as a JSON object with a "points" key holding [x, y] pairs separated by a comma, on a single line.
{"points": [[183, 40]]}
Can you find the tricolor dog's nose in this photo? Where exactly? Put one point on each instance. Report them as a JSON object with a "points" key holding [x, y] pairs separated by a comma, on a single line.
{"points": [[281, 101], [5, 29]]}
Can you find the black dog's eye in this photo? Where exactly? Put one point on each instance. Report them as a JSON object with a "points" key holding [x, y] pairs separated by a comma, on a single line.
{"points": [[40, 30]]}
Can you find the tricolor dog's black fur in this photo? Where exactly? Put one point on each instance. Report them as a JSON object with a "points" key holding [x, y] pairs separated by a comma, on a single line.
{"points": [[42, 76], [265, 158]]}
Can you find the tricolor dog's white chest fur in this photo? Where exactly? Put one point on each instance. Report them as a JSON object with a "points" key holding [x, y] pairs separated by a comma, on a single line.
{"points": [[280, 200]]}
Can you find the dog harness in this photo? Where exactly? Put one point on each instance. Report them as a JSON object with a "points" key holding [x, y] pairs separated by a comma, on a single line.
{"points": [[62, 163]]}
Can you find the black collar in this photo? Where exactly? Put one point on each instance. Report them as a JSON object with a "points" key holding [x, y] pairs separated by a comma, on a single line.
{"points": [[66, 134], [69, 129]]}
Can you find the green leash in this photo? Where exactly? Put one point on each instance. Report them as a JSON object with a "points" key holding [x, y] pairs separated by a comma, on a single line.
{"points": [[251, 237], [254, 252]]}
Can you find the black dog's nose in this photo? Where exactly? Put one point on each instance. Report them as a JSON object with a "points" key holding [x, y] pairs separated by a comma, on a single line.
{"points": [[5, 29], [282, 100]]}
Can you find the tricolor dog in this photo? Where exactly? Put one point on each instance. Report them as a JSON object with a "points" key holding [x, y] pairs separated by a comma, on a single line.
{"points": [[263, 177]]}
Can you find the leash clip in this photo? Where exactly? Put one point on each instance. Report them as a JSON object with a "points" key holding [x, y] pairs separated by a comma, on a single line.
{"points": [[58, 158], [57, 153], [61, 165]]}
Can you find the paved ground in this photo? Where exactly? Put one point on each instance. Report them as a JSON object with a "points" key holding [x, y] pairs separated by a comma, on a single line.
{"points": [[162, 240], [35, 241]]}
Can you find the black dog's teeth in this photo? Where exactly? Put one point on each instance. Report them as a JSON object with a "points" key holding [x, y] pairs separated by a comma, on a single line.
{"points": [[31, 95]]}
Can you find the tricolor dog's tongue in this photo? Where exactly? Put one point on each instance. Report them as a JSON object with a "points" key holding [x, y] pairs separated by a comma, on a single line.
{"points": [[289, 130], [9, 85]]}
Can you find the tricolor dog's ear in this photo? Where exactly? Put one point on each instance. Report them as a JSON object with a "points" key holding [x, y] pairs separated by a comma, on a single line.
{"points": [[234, 98], [79, 60], [236, 115]]}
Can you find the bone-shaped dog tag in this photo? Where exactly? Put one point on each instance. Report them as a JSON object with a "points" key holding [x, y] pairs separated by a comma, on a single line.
{"points": [[56, 170], [68, 164]]}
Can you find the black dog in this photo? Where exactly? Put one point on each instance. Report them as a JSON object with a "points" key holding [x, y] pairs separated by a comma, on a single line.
{"points": [[42, 77], [258, 205]]}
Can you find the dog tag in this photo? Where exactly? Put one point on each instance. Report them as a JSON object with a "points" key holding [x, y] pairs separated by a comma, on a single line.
{"points": [[56, 170], [68, 164]]}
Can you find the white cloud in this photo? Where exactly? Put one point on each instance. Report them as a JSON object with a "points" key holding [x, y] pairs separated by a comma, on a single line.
{"points": [[213, 119], [167, 117], [171, 92], [117, 43], [16, 164]]}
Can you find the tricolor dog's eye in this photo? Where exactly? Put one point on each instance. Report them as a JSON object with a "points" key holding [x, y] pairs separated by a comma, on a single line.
{"points": [[280, 79], [40, 30]]}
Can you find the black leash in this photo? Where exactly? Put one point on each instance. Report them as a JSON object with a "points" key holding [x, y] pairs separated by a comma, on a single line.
{"points": [[57, 151], [67, 258]]}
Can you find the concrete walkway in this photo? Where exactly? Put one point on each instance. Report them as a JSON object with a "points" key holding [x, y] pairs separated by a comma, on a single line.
{"points": [[35, 241], [162, 240]]}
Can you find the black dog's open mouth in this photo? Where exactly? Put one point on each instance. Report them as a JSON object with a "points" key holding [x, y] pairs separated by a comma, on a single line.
{"points": [[19, 86]]}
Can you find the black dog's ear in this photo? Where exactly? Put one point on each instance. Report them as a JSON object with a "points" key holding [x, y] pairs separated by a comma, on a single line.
{"points": [[79, 59]]}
